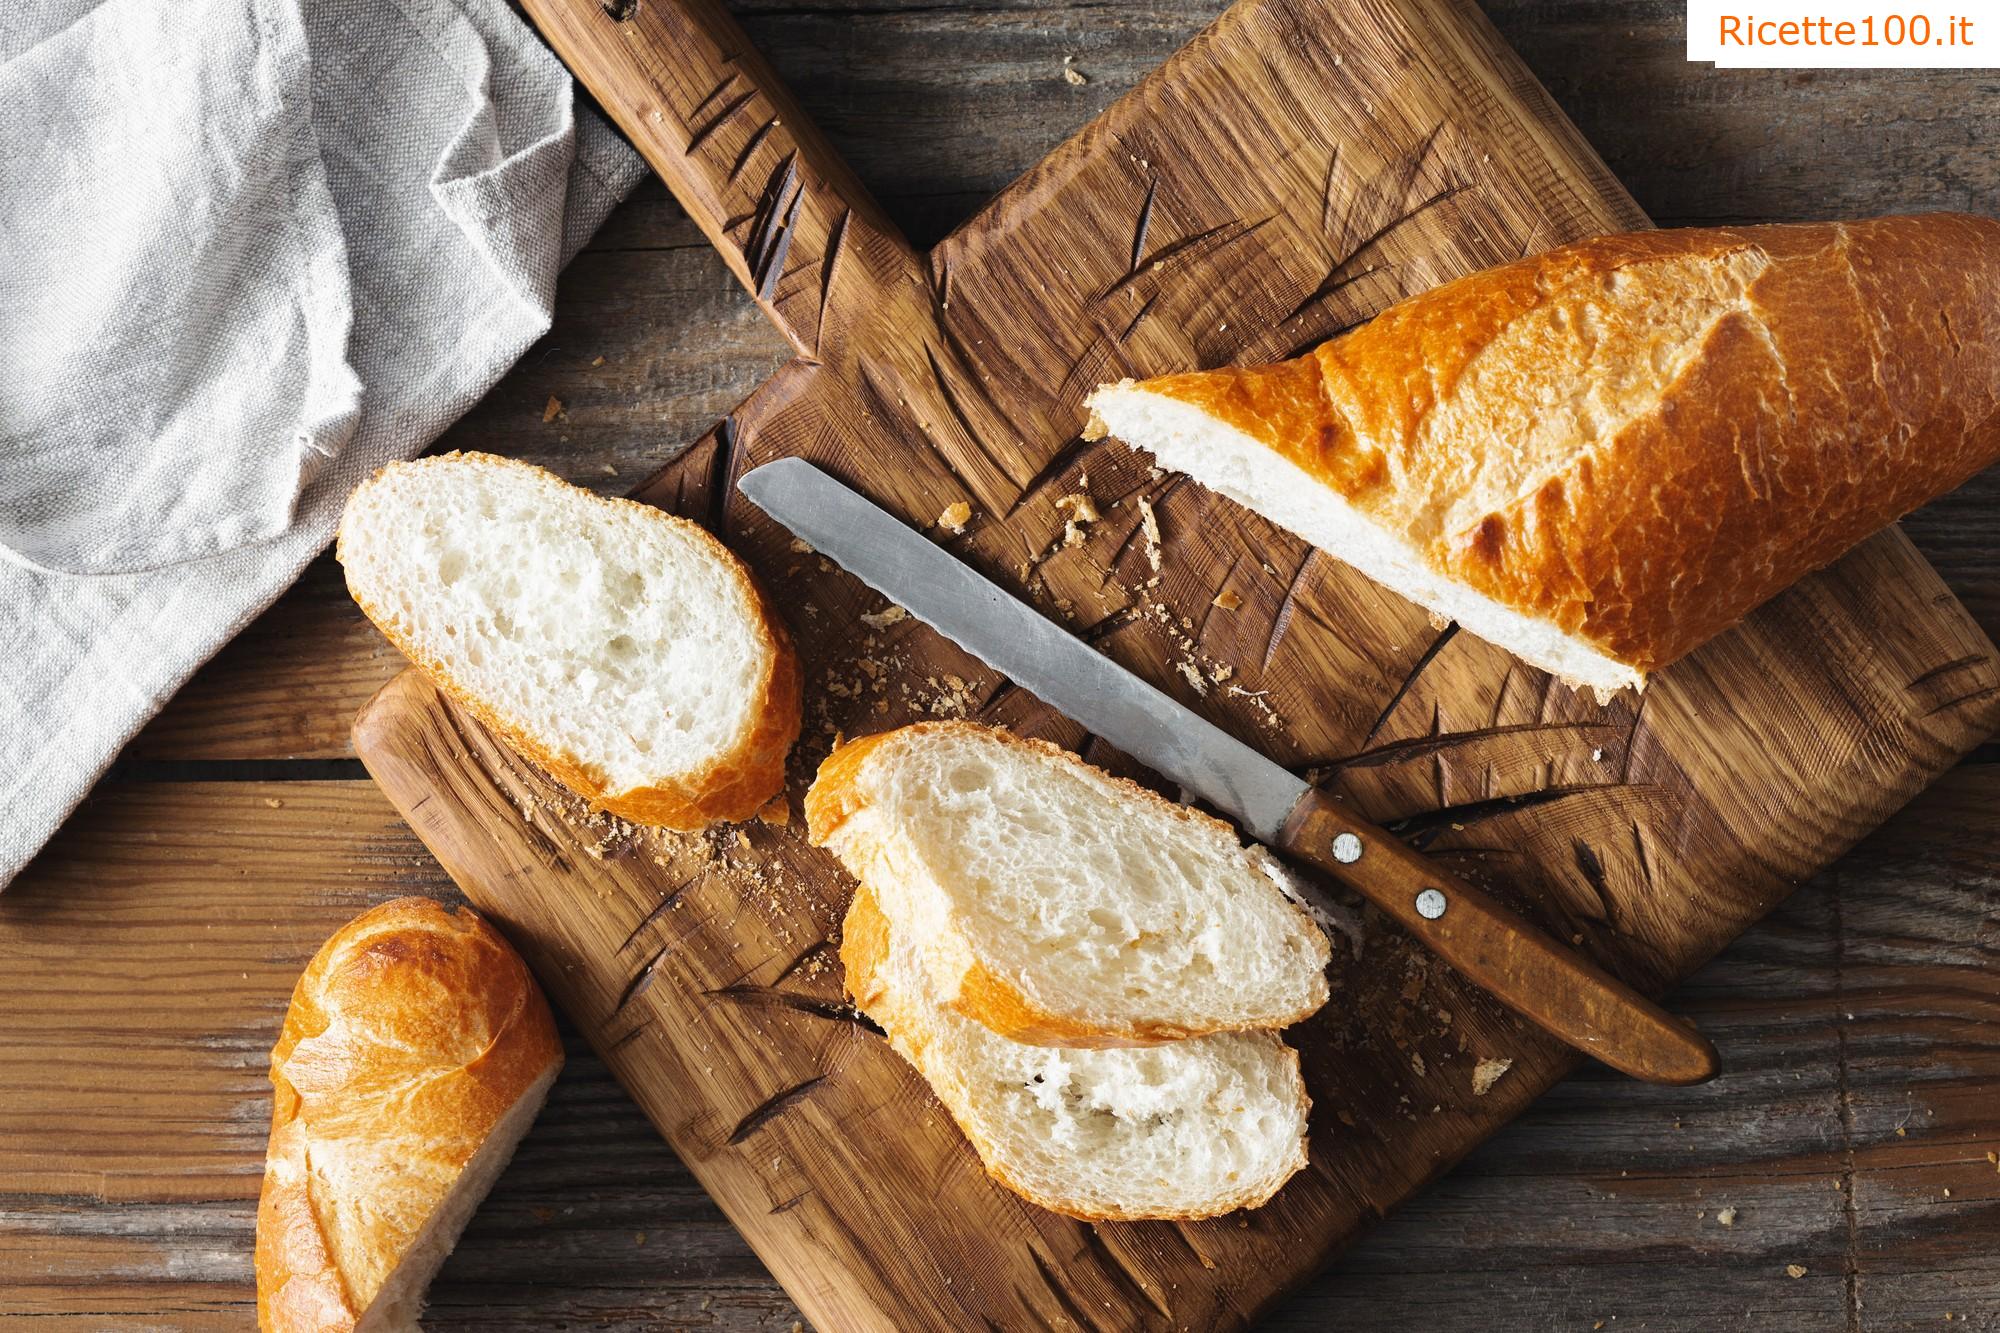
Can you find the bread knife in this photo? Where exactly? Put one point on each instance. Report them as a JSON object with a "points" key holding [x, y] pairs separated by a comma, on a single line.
{"points": [[1549, 985]]}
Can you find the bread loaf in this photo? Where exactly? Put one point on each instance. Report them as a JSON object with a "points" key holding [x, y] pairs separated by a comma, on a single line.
{"points": [[625, 650], [1056, 904], [416, 1053], [1191, 1129], [1602, 456]]}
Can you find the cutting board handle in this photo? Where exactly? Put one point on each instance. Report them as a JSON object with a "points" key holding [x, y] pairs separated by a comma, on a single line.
{"points": [[786, 214]]}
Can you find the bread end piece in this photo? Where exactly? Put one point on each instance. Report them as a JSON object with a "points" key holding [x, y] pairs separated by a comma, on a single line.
{"points": [[416, 1053]]}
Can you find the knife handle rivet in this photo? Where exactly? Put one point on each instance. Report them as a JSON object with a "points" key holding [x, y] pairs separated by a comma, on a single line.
{"points": [[1346, 848], [1431, 904]]}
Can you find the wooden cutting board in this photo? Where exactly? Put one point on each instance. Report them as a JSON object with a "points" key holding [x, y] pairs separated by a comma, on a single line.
{"points": [[1297, 167]]}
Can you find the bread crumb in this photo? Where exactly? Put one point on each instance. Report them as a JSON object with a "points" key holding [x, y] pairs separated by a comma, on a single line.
{"points": [[1094, 428], [1083, 508], [1193, 676], [1726, 1217], [955, 517], [1079, 511], [1417, 1063], [1151, 522], [1488, 1072], [1227, 600], [553, 410], [597, 361], [274, 803], [1261, 701], [1071, 74], [885, 618], [1795, 1270]]}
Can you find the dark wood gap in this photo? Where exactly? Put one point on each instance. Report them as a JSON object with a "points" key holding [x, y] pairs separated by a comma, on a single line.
{"points": [[237, 770]]}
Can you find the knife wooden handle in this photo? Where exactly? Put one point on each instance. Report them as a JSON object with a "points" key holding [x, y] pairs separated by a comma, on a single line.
{"points": [[1551, 986]]}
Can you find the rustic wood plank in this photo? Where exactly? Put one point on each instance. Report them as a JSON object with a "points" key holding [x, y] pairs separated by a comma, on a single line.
{"points": [[127, 915], [1699, 145], [1536, 1229]]}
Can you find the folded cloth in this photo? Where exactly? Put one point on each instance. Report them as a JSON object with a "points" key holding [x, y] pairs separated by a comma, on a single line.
{"points": [[254, 249]]}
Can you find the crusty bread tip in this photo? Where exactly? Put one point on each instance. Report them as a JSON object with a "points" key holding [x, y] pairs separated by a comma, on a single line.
{"points": [[1602, 456], [1056, 904], [623, 649], [1187, 1130], [416, 1052]]}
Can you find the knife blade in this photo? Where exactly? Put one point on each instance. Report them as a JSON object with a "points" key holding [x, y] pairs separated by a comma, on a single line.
{"points": [[1560, 990]]}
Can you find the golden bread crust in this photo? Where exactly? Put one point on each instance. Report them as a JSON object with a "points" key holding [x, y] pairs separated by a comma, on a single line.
{"points": [[1694, 419], [410, 1034]]}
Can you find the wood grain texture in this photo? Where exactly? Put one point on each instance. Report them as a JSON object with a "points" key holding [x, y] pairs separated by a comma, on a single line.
{"points": [[1395, 147], [938, 107]]}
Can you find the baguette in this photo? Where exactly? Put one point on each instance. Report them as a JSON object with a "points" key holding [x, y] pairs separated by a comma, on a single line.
{"points": [[1059, 905], [1193, 1129], [625, 650], [1601, 457], [416, 1053]]}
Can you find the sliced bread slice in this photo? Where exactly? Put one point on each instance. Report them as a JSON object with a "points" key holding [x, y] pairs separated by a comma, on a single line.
{"points": [[625, 650], [1057, 904], [1187, 1130]]}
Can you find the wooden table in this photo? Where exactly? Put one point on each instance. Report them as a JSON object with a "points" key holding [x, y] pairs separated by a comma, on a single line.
{"points": [[1838, 1176]]}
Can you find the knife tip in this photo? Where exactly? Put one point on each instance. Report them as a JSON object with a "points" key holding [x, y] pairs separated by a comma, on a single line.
{"points": [[766, 473]]}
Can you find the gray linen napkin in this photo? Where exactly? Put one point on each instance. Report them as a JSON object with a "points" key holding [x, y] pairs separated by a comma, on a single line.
{"points": [[250, 250]]}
